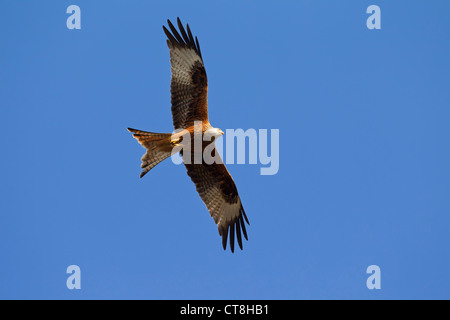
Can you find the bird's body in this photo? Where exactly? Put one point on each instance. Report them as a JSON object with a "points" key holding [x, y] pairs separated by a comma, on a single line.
{"points": [[189, 88]]}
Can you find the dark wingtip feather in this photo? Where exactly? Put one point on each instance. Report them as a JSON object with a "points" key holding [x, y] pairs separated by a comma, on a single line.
{"points": [[198, 47], [224, 237], [238, 233], [232, 237], [183, 32], [143, 173], [183, 40], [191, 40], [170, 37], [245, 216], [236, 226], [175, 32], [244, 231]]}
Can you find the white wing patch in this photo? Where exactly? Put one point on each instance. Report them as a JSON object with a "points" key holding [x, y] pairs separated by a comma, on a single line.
{"points": [[182, 60], [221, 211]]}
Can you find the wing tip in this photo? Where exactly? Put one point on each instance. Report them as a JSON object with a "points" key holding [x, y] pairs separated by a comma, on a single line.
{"points": [[236, 226], [185, 40]]}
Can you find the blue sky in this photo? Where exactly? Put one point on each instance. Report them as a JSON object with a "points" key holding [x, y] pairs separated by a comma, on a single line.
{"points": [[364, 151]]}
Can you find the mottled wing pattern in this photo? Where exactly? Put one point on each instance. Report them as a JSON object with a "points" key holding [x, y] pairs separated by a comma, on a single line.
{"points": [[218, 191], [189, 84]]}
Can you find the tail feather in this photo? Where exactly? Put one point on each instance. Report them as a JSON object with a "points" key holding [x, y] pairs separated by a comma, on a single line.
{"points": [[158, 148]]}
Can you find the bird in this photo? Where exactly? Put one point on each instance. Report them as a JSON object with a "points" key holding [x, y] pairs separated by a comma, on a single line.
{"points": [[189, 106]]}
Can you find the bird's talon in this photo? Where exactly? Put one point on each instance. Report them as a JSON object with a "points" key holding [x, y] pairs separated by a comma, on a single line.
{"points": [[175, 142]]}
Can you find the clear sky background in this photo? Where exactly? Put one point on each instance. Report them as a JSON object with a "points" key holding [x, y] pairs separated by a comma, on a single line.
{"points": [[364, 178]]}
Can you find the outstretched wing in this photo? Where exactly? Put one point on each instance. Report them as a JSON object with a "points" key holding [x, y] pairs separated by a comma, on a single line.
{"points": [[189, 84], [218, 191]]}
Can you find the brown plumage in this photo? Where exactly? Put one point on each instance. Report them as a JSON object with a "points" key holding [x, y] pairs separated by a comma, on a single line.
{"points": [[189, 98]]}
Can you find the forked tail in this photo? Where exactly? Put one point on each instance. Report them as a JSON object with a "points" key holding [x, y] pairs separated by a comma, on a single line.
{"points": [[158, 148]]}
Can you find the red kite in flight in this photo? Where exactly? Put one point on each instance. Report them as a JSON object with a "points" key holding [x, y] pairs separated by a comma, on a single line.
{"points": [[189, 90]]}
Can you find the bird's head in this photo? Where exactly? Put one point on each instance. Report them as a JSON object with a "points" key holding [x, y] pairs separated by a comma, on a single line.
{"points": [[212, 133]]}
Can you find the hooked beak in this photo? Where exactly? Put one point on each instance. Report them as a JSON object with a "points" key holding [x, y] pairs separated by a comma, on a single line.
{"points": [[221, 132]]}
